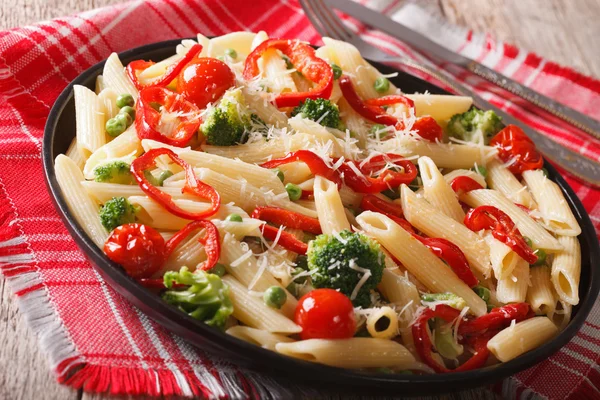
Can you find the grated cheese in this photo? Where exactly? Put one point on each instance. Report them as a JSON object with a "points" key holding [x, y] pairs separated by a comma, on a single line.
{"points": [[366, 275]]}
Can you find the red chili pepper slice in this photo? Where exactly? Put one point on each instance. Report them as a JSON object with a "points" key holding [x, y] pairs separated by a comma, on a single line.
{"points": [[372, 113], [192, 185], [286, 240], [463, 184], [147, 119], [512, 142], [305, 61], [171, 73], [503, 229], [498, 318], [428, 129], [453, 256], [210, 240], [315, 163], [388, 179], [287, 218], [424, 345]]}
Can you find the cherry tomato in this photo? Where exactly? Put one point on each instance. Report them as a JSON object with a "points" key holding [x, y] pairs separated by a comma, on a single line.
{"points": [[138, 248], [428, 129], [325, 314], [204, 80], [513, 143]]}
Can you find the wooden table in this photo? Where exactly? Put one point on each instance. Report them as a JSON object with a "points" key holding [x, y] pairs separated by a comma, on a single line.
{"points": [[560, 30]]}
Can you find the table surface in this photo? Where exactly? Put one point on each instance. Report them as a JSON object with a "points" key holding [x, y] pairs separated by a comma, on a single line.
{"points": [[562, 31]]}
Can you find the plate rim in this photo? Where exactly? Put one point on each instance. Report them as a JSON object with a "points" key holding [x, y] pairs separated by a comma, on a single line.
{"points": [[199, 334]]}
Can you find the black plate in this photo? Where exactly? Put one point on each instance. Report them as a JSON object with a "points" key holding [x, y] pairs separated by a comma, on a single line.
{"points": [[60, 131]]}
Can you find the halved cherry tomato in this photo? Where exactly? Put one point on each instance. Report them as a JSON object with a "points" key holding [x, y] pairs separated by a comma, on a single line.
{"points": [[464, 184], [325, 314], [204, 80], [428, 129], [512, 142], [138, 248]]}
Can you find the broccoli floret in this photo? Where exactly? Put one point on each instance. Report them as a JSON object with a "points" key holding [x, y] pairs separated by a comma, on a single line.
{"points": [[475, 125], [320, 110], [114, 172], [447, 298], [227, 123], [205, 298], [116, 212], [339, 262]]}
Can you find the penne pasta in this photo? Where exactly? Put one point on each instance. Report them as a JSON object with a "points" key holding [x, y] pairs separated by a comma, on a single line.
{"points": [[125, 147], [330, 209], [566, 270], [266, 340], [438, 192], [74, 154], [522, 337], [540, 295], [114, 77], [501, 179], [89, 114], [503, 259], [513, 288]]}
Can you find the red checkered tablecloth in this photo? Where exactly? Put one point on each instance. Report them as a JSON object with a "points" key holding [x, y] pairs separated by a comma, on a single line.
{"points": [[94, 338]]}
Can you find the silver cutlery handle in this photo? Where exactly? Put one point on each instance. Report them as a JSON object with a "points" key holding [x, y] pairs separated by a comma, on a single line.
{"points": [[580, 166], [575, 118]]}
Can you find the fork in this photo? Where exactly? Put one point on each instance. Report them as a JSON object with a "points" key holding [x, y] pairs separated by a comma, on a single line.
{"points": [[327, 23]]}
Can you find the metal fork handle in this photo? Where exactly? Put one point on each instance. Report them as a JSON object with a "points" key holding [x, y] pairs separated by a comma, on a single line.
{"points": [[580, 166], [575, 118]]}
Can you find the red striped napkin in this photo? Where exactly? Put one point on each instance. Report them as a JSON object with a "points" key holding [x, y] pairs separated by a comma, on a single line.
{"points": [[97, 341]]}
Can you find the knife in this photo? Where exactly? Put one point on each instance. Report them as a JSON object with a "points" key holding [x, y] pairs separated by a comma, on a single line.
{"points": [[436, 51]]}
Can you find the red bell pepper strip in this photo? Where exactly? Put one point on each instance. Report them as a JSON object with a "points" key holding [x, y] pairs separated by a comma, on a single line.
{"points": [[305, 61], [512, 142], [286, 240], [453, 256], [287, 218], [171, 73], [428, 129], [372, 113], [147, 119], [315, 163], [503, 229], [362, 183], [424, 346], [192, 185], [498, 318], [210, 240], [390, 100], [373, 203], [463, 184]]}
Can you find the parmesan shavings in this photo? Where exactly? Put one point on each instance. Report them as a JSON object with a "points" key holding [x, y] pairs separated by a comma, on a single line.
{"points": [[366, 275]]}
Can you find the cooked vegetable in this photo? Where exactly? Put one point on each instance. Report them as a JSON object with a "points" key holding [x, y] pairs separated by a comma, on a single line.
{"points": [[231, 53], [325, 314], [125, 100], [157, 180], [294, 191], [481, 170], [349, 262], [114, 172], [115, 212], [337, 71], [205, 298], [381, 85], [218, 270], [117, 124], [225, 124], [447, 298], [475, 126], [129, 111], [275, 297], [322, 111], [445, 342], [234, 218]]}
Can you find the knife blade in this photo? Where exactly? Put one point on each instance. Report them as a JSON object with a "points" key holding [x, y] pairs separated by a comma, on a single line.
{"points": [[435, 50]]}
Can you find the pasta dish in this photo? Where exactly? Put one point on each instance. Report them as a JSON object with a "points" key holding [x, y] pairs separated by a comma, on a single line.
{"points": [[296, 199]]}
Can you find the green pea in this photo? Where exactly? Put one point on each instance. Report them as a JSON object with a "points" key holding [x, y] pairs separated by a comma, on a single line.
{"points": [[275, 297], [481, 170], [234, 218], [528, 241], [129, 111], [280, 174], [293, 288], [337, 71], [124, 100], [218, 269], [545, 172], [482, 292], [294, 191], [302, 263], [231, 53], [116, 125], [381, 85], [541, 255], [288, 62]]}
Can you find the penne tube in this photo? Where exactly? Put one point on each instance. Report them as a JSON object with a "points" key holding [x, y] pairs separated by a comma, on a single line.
{"points": [[74, 154], [275, 71], [114, 77], [108, 98], [553, 206], [102, 192], [125, 147], [540, 295], [521, 338], [252, 311], [89, 117], [566, 270], [350, 353], [541, 238], [418, 259], [330, 209], [257, 337], [435, 224], [440, 107], [513, 289], [83, 207], [383, 314], [438, 192], [503, 258], [260, 103], [501, 179]]}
